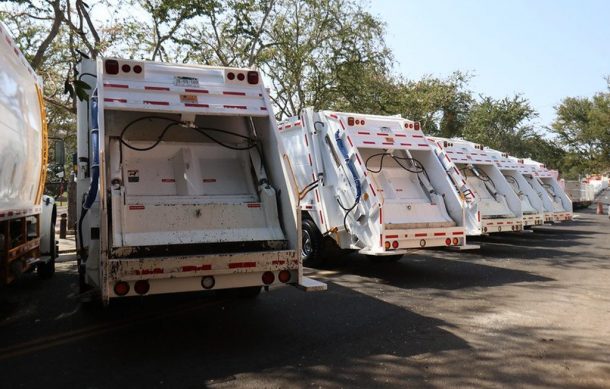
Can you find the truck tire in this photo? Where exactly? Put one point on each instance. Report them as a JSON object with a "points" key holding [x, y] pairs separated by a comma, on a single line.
{"points": [[312, 244], [47, 270], [384, 258]]}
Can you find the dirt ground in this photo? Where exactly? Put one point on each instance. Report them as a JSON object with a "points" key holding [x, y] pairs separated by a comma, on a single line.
{"points": [[526, 310]]}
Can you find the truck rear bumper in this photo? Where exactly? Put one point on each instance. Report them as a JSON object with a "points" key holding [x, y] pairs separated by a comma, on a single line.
{"points": [[400, 241], [533, 220], [559, 217], [499, 225], [187, 273]]}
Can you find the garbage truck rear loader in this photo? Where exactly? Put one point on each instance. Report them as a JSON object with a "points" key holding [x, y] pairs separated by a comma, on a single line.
{"points": [[561, 202], [499, 208], [370, 183], [531, 204], [182, 183], [553, 205], [27, 217]]}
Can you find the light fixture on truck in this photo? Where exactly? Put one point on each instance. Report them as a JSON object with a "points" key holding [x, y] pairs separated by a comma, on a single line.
{"points": [[268, 278], [252, 77], [141, 287], [121, 288], [111, 66], [208, 282]]}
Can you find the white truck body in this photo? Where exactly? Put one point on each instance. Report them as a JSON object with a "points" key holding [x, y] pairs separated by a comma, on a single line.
{"points": [[335, 161], [26, 216], [499, 208], [531, 204], [561, 203], [207, 206]]}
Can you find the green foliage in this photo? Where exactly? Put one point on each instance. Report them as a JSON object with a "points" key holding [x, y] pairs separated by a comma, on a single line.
{"points": [[583, 128]]}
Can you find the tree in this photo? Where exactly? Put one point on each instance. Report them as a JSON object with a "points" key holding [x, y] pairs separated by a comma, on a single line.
{"points": [[583, 127]]}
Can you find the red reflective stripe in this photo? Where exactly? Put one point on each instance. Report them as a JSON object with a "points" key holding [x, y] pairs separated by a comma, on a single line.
{"points": [[321, 217], [417, 136], [254, 205], [420, 234], [136, 207], [168, 180], [263, 108], [156, 102], [156, 270], [358, 158], [107, 100], [332, 115], [350, 141], [440, 233], [306, 141], [310, 161], [380, 216], [422, 144], [188, 268], [238, 265], [373, 190], [406, 144], [368, 142], [123, 86], [196, 90], [195, 105], [391, 236], [458, 233], [364, 133], [341, 123], [156, 88], [382, 134], [233, 93], [400, 135], [235, 106]]}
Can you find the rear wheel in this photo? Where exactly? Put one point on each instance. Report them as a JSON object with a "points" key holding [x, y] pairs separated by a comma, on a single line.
{"points": [[384, 258], [311, 249]]}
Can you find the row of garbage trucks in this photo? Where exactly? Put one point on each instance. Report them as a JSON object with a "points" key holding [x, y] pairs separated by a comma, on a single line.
{"points": [[186, 182]]}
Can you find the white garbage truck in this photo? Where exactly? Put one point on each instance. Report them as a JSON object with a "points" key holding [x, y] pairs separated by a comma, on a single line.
{"points": [[531, 204], [561, 204], [181, 183], [368, 183], [27, 217], [499, 208]]}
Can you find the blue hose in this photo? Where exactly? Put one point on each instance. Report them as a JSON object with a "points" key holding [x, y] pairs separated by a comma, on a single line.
{"points": [[94, 134], [350, 166]]}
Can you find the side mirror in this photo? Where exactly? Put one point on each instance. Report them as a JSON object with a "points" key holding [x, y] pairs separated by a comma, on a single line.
{"points": [[59, 152]]}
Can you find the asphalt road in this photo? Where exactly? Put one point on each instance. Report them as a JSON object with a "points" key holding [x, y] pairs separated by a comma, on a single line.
{"points": [[526, 310]]}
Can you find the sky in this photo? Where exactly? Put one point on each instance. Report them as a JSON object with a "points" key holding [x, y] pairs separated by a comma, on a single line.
{"points": [[543, 49]]}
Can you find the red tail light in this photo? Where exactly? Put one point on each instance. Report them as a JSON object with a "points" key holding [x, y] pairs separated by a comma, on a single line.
{"points": [[395, 244], [284, 276], [231, 76], [422, 243], [111, 66], [253, 78], [141, 287], [268, 278], [126, 68], [121, 288], [456, 241], [448, 241], [137, 69], [417, 126], [350, 121], [362, 122], [240, 76], [387, 245]]}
